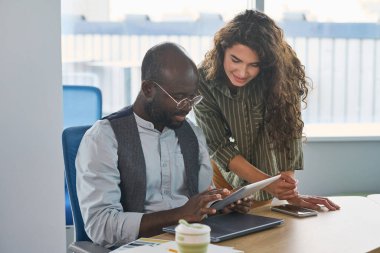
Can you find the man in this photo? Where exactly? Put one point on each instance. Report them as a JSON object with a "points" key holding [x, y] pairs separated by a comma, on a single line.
{"points": [[146, 166]]}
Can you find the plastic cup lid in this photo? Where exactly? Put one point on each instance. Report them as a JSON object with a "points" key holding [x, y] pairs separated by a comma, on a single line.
{"points": [[191, 228]]}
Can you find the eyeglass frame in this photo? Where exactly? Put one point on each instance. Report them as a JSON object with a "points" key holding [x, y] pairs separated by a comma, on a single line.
{"points": [[191, 102]]}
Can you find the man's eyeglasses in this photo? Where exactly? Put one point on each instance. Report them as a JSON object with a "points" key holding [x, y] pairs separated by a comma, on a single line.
{"points": [[184, 103]]}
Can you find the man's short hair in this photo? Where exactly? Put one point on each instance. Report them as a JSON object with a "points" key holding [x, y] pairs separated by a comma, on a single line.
{"points": [[155, 60]]}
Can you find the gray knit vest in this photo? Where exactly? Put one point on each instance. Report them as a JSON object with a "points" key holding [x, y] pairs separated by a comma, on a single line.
{"points": [[131, 162]]}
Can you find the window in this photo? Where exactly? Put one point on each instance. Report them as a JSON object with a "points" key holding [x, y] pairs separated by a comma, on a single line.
{"points": [[103, 44]]}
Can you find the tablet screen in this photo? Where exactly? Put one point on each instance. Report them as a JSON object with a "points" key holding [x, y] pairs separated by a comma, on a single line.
{"points": [[243, 192]]}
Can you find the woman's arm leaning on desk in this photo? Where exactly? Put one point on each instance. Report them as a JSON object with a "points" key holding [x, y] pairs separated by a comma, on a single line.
{"points": [[283, 189]]}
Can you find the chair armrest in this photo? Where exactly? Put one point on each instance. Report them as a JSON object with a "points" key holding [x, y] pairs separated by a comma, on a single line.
{"points": [[87, 247]]}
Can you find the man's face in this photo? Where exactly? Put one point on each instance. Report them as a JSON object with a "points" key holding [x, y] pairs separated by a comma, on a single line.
{"points": [[163, 109], [161, 116]]}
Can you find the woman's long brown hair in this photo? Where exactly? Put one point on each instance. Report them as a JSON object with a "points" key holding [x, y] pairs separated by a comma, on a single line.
{"points": [[283, 75]]}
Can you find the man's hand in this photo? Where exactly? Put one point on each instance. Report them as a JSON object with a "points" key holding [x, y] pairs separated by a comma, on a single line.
{"points": [[242, 205], [197, 207], [284, 188], [313, 202]]}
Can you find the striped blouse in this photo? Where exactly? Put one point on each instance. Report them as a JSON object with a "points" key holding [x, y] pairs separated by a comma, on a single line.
{"points": [[234, 125]]}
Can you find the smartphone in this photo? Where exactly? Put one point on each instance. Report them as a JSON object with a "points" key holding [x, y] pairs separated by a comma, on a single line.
{"points": [[294, 210]]}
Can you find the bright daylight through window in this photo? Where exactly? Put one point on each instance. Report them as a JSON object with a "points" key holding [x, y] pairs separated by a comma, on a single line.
{"points": [[103, 42]]}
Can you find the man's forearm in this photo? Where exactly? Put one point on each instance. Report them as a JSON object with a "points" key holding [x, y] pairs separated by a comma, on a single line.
{"points": [[152, 223]]}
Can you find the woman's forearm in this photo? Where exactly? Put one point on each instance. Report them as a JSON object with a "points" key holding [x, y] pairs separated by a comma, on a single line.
{"points": [[245, 170]]}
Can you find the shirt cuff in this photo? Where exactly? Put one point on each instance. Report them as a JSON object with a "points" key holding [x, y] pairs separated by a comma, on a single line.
{"points": [[224, 155], [130, 228]]}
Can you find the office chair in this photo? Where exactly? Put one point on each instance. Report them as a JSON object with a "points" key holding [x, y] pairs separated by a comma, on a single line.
{"points": [[71, 138], [82, 105]]}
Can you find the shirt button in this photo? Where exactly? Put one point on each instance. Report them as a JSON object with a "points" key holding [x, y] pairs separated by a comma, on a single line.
{"points": [[164, 164]]}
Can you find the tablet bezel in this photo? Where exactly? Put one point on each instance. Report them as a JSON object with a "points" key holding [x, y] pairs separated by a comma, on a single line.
{"points": [[243, 192]]}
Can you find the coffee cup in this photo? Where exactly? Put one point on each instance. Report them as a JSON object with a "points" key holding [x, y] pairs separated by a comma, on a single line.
{"points": [[192, 238]]}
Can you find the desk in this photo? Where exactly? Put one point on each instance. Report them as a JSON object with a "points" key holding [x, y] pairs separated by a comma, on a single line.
{"points": [[375, 198], [354, 228]]}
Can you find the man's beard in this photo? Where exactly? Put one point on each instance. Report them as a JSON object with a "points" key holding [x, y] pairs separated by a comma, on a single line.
{"points": [[161, 117]]}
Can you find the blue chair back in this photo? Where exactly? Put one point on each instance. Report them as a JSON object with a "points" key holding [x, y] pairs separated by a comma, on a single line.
{"points": [[82, 105], [71, 138]]}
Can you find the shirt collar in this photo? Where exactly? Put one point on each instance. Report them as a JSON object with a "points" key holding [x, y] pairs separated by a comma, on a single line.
{"points": [[148, 125], [143, 123]]}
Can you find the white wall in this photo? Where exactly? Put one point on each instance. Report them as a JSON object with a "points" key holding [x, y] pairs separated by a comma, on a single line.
{"points": [[31, 163], [341, 167]]}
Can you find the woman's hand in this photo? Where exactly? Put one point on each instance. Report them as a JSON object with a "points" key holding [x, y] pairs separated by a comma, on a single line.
{"points": [[313, 202], [284, 188]]}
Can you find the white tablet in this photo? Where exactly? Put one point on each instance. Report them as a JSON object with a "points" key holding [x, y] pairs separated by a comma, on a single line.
{"points": [[243, 192]]}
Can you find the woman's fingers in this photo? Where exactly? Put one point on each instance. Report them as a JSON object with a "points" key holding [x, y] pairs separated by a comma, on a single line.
{"points": [[314, 202], [287, 178], [323, 201]]}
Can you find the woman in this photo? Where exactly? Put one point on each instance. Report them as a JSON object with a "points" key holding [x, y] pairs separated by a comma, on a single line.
{"points": [[253, 84]]}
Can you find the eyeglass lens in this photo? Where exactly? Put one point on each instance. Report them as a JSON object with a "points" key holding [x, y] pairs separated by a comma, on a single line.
{"points": [[189, 103]]}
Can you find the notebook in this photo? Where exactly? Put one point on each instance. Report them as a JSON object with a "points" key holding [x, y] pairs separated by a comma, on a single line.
{"points": [[228, 226]]}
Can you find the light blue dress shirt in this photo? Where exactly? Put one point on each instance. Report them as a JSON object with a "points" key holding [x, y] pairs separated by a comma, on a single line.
{"points": [[98, 179]]}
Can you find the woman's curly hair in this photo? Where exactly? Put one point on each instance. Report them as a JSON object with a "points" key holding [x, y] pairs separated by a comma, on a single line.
{"points": [[283, 75]]}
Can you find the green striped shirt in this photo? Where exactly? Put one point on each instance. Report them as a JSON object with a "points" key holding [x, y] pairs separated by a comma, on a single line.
{"points": [[234, 125]]}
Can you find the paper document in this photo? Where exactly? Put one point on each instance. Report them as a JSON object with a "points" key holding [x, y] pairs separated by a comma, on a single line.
{"points": [[148, 242], [171, 247]]}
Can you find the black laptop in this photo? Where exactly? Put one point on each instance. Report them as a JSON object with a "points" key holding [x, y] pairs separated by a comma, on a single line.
{"points": [[228, 226]]}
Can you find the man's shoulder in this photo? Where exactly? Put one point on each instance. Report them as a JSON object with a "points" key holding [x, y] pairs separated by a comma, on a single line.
{"points": [[125, 112], [100, 127]]}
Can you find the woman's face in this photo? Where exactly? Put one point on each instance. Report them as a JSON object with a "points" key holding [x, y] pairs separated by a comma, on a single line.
{"points": [[241, 64]]}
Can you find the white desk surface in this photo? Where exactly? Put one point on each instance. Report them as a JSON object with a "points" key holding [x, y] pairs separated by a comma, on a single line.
{"points": [[375, 198]]}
